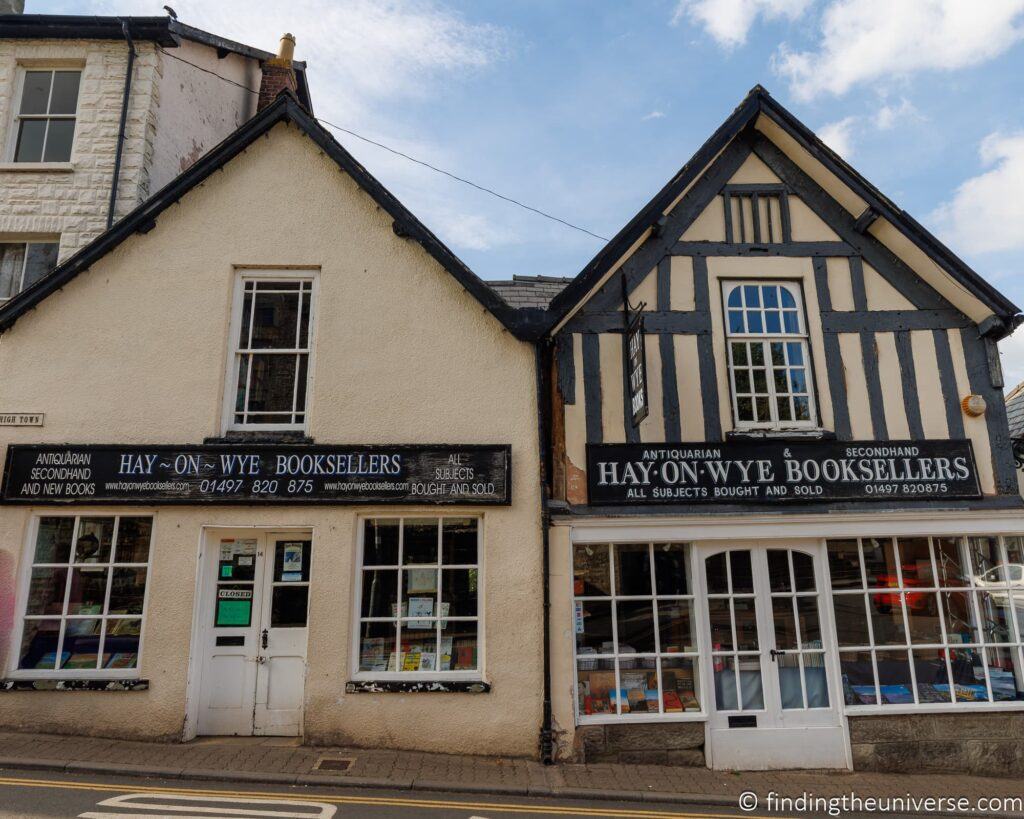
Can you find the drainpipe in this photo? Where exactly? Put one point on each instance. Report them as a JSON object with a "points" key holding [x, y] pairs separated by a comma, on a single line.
{"points": [[124, 119], [543, 409]]}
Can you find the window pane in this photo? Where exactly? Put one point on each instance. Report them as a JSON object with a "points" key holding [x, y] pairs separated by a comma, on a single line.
{"points": [[717, 578], [121, 643], [459, 540], [596, 618], [94, 540], [785, 625], [46, 591], [742, 578], [272, 387], [887, 619], [675, 626], [59, 137], [12, 264], [968, 676], [459, 645], [916, 561], [274, 320], [721, 624], [880, 562], [994, 608], [459, 592], [380, 543], [671, 569], [301, 379], [419, 647], [726, 698], [420, 541], [638, 693], [746, 624], [82, 644], [88, 590], [31, 133], [778, 570], [39, 644], [377, 647], [858, 677], [844, 564], [961, 623], [64, 99], [632, 569], [380, 593], [636, 625], [35, 92], [595, 688], [851, 620], [127, 591], [739, 353], [894, 678], [985, 560], [790, 690], [133, 536], [288, 606], [419, 590], [932, 675], [1004, 674], [809, 622], [42, 259], [680, 684], [950, 557], [591, 571], [803, 571], [923, 616], [53, 541]]}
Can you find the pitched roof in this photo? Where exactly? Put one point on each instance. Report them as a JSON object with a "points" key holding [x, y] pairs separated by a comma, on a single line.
{"points": [[1015, 411], [164, 31], [530, 291], [759, 102], [286, 108]]}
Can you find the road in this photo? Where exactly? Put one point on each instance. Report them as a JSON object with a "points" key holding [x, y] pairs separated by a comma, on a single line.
{"points": [[42, 795]]}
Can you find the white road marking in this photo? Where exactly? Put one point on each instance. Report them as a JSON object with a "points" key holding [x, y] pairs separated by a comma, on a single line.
{"points": [[200, 811]]}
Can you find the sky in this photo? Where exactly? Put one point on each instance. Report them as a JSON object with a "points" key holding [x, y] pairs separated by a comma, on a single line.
{"points": [[585, 108]]}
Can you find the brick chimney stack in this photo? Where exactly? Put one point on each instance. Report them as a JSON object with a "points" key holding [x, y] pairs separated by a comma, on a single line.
{"points": [[278, 73]]}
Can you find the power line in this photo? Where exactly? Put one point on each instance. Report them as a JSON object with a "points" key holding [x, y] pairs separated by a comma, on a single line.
{"points": [[406, 156]]}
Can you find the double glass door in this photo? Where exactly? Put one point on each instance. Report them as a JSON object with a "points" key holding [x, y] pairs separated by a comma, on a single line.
{"points": [[772, 664]]}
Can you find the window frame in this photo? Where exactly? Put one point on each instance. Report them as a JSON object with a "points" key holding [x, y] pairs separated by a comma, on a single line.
{"points": [[21, 600], [795, 288], [698, 597], [243, 275], [475, 675], [24, 262], [908, 646], [11, 149]]}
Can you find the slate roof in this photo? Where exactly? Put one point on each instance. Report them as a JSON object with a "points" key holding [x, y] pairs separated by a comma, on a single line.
{"points": [[1015, 411], [530, 291]]}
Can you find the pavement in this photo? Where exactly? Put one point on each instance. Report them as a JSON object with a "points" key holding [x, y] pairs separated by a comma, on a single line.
{"points": [[285, 762]]}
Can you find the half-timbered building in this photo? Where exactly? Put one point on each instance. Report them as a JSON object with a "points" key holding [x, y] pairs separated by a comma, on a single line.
{"points": [[784, 505]]}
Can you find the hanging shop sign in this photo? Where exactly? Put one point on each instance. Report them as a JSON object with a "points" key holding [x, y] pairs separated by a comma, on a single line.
{"points": [[637, 361], [770, 471], [464, 474]]}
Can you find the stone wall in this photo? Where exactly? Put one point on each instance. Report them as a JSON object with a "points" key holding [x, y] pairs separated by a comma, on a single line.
{"points": [[677, 743], [983, 744]]}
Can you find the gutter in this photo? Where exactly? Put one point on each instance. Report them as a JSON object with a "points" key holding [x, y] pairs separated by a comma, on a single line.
{"points": [[542, 350], [124, 118]]}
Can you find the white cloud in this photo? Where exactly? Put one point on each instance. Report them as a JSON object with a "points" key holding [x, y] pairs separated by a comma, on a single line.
{"points": [[889, 115], [1012, 355], [839, 135], [987, 211], [653, 115], [864, 41], [729, 21], [470, 231]]}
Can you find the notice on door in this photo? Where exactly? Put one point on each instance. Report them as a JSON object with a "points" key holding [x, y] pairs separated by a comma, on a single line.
{"points": [[407, 474], [234, 607]]}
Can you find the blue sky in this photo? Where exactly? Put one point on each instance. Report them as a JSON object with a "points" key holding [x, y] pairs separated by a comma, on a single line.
{"points": [[585, 109]]}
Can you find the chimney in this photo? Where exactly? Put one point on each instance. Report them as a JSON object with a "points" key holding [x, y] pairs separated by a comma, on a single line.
{"points": [[12, 6], [278, 73]]}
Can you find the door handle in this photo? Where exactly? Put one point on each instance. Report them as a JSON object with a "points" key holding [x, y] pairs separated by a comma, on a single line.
{"points": [[260, 660], [263, 638], [776, 653]]}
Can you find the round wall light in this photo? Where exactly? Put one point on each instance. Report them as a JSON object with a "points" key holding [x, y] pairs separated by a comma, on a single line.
{"points": [[974, 405]]}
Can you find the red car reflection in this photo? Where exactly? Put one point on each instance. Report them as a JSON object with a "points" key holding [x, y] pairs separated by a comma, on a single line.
{"points": [[920, 602]]}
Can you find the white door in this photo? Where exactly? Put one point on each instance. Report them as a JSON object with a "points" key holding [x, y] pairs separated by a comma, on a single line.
{"points": [[255, 589], [773, 668]]}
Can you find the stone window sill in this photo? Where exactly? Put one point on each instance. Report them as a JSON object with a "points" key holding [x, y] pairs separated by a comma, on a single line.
{"points": [[54, 684], [38, 167], [802, 434], [417, 687]]}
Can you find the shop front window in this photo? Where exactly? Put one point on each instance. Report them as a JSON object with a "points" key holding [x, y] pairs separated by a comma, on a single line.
{"points": [[419, 608], [929, 621], [636, 649], [86, 596]]}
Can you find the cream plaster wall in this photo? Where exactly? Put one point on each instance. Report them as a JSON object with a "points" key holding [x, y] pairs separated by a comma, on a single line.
{"points": [[613, 412], [652, 428], [134, 351]]}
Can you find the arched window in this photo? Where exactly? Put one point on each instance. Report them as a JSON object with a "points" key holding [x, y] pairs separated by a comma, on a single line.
{"points": [[769, 360]]}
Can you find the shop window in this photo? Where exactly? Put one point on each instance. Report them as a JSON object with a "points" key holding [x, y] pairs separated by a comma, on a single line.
{"points": [[929, 621], [86, 595], [769, 358], [636, 647], [22, 264], [270, 367], [45, 123], [419, 607]]}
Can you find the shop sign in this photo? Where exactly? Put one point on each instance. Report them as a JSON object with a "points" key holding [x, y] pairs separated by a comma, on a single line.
{"points": [[637, 360], [461, 474], [770, 471], [21, 419]]}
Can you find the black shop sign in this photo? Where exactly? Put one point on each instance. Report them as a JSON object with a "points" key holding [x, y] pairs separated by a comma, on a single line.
{"points": [[784, 471], [463, 474]]}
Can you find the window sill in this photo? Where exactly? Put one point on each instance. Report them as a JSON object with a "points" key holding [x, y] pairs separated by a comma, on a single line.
{"points": [[626, 719], [260, 437], [38, 167], [434, 686], [801, 434], [933, 708], [80, 684]]}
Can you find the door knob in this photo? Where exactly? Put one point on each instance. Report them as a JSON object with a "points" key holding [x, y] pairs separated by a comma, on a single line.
{"points": [[263, 638]]}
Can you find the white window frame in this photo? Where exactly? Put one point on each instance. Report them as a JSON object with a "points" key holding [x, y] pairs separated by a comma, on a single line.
{"points": [[701, 655], [909, 647], [766, 338], [16, 118], [242, 276], [475, 675], [25, 579], [24, 262]]}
